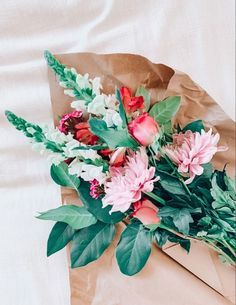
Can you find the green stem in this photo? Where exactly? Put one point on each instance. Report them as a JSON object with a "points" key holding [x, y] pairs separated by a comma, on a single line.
{"points": [[227, 245], [218, 249], [155, 197]]}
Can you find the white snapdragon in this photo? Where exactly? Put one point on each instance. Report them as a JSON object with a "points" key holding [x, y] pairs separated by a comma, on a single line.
{"points": [[83, 81], [86, 171], [55, 135], [96, 85], [54, 157], [69, 148], [112, 118], [111, 102], [97, 106], [79, 105]]}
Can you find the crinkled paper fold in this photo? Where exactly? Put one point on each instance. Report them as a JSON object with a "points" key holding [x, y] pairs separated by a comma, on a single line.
{"points": [[171, 277]]}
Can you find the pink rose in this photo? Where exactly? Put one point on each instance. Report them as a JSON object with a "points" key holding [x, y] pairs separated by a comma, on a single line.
{"points": [[144, 129], [131, 103], [146, 212]]}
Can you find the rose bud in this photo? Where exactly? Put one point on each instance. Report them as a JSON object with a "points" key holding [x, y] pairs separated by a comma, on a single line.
{"points": [[146, 212], [131, 103], [144, 129], [118, 157]]}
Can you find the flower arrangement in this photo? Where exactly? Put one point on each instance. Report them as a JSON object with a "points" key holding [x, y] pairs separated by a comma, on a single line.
{"points": [[129, 163]]}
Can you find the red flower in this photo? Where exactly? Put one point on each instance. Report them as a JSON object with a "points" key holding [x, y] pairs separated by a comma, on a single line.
{"points": [[144, 129], [84, 135], [146, 212], [73, 123], [131, 103]]}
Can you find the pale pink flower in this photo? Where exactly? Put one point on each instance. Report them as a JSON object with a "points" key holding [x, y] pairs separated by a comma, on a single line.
{"points": [[127, 183], [190, 150]]}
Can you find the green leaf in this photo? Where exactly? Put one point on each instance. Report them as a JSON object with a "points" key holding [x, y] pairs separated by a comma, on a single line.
{"points": [[203, 179], [61, 234], [184, 243], [75, 216], [95, 205], [221, 198], [181, 217], [167, 127], [231, 186], [113, 137], [164, 110], [121, 109], [195, 126], [89, 244], [205, 221], [134, 249], [170, 184], [141, 91], [61, 176], [161, 237]]}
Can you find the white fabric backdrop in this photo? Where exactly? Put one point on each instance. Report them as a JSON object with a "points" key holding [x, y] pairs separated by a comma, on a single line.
{"points": [[195, 36]]}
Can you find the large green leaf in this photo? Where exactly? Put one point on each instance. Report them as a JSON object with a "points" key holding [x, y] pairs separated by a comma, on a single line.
{"points": [[95, 205], [76, 217], [113, 137], [141, 91], [61, 176], [170, 183], [89, 244], [195, 126], [60, 235], [164, 110], [181, 217], [134, 249]]}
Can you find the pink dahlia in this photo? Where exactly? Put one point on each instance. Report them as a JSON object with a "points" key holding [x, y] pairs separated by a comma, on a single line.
{"points": [[190, 150], [127, 183]]}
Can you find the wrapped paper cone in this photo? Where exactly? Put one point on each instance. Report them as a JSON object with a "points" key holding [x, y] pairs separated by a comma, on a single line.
{"points": [[171, 277]]}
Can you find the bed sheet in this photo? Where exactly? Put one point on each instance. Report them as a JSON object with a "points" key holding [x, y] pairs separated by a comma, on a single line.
{"points": [[194, 36]]}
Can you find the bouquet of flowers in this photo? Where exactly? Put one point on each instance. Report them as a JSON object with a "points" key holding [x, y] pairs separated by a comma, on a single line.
{"points": [[128, 162]]}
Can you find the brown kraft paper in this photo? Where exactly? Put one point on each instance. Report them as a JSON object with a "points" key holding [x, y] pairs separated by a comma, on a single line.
{"points": [[171, 277]]}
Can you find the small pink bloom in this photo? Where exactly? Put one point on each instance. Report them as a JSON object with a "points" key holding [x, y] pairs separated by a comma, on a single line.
{"points": [[95, 189], [131, 103], [144, 129], [146, 212], [118, 157], [190, 150], [128, 182], [68, 121]]}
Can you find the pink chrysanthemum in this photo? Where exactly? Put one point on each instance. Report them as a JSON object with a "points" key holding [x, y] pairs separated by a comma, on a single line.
{"points": [[127, 183], [95, 189], [190, 150]]}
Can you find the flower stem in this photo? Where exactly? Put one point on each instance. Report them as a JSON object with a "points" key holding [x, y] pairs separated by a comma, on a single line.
{"points": [[155, 197]]}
